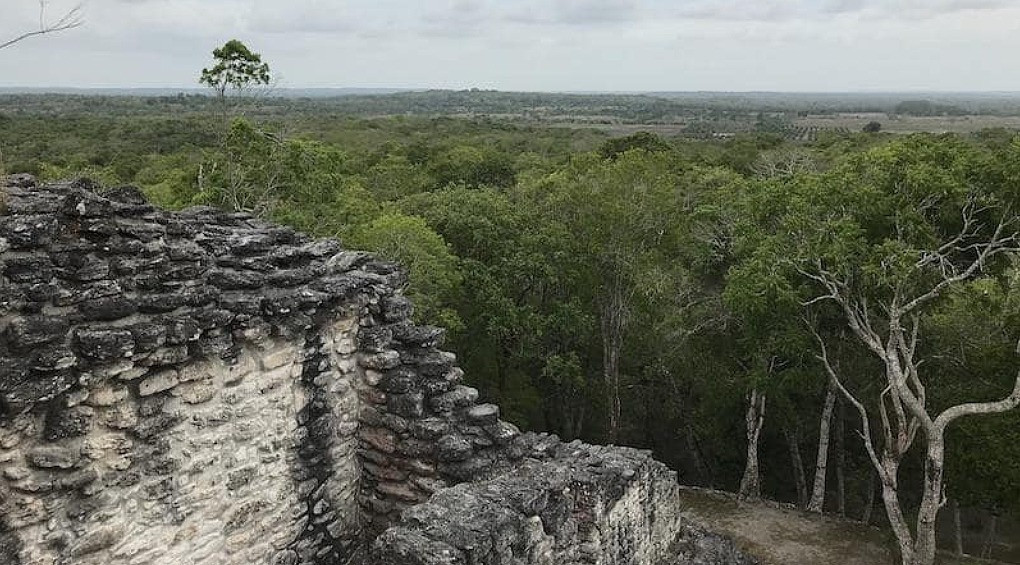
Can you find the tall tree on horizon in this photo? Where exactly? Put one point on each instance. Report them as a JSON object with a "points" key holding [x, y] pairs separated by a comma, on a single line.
{"points": [[236, 67]]}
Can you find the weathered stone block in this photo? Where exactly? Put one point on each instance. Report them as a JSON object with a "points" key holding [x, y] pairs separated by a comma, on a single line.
{"points": [[482, 414], [459, 397], [453, 448], [55, 457], [410, 405], [103, 344], [64, 422], [381, 361], [159, 382], [379, 438], [397, 308], [32, 331], [107, 308]]}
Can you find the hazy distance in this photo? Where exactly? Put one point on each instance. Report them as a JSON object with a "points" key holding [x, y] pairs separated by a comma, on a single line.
{"points": [[536, 45]]}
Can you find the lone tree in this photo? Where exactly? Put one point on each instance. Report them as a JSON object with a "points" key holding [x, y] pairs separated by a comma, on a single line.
{"points": [[872, 127], [71, 19], [237, 68]]}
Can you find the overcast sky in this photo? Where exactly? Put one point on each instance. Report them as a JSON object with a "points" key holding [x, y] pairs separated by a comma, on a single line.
{"points": [[615, 45]]}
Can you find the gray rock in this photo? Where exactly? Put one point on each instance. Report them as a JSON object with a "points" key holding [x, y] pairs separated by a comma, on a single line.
{"points": [[54, 457], [102, 344], [459, 397], [453, 448], [483, 414]]}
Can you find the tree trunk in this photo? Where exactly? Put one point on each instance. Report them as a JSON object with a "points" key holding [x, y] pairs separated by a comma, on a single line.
{"points": [[931, 503], [822, 461], [695, 451], [869, 500], [793, 440], [612, 343], [840, 459], [750, 484], [891, 500], [988, 546], [957, 528]]}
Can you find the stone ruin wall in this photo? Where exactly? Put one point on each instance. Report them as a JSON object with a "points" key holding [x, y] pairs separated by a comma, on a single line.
{"points": [[205, 387]]}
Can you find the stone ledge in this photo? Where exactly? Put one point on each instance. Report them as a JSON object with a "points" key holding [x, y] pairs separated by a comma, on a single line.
{"points": [[564, 503]]}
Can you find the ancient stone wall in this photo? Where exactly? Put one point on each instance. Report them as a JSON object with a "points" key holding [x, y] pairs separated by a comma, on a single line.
{"points": [[204, 387], [564, 504]]}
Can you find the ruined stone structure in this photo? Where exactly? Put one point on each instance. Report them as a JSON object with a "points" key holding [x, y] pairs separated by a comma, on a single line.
{"points": [[204, 387]]}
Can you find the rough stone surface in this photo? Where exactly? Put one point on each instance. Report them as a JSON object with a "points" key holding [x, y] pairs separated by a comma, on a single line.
{"points": [[204, 387], [563, 504]]}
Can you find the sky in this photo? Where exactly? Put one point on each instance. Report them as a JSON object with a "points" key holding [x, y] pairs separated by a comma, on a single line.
{"points": [[532, 45]]}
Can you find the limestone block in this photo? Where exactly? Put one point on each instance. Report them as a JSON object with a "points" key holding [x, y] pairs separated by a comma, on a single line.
{"points": [[159, 382], [381, 361], [378, 438]]}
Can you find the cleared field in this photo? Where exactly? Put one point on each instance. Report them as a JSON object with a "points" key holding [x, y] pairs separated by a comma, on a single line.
{"points": [[909, 124], [780, 534]]}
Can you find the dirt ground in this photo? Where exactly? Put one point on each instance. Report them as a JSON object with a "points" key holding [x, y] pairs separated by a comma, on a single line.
{"points": [[783, 535]]}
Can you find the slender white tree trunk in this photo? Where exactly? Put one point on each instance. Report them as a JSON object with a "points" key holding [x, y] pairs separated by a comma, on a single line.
{"points": [[869, 500], [931, 502], [613, 322], [822, 461], [890, 498], [793, 441], [990, 535], [750, 484], [840, 459]]}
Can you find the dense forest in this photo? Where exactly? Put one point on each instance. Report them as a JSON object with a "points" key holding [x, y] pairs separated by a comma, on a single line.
{"points": [[777, 318]]}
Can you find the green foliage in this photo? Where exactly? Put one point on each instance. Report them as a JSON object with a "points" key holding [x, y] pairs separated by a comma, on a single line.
{"points": [[434, 273], [514, 233], [472, 167], [873, 222], [871, 217], [395, 177], [647, 141], [973, 339]]}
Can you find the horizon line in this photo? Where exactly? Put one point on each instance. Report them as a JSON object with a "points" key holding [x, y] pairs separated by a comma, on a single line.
{"points": [[397, 89]]}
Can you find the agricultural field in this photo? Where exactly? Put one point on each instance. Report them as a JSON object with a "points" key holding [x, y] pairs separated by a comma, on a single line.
{"points": [[894, 123]]}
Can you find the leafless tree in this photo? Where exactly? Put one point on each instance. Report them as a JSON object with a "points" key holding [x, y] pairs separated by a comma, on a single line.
{"points": [[784, 163], [890, 329], [71, 19]]}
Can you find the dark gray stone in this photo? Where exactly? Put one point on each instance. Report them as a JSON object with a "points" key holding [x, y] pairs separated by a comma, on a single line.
{"points": [[105, 344], [67, 422], [483, 414], [410, 405], [459, 397], [453, 448], [32, 331]]}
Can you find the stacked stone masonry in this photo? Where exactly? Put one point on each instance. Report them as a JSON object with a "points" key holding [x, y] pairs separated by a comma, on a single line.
{"points": [[206, 388]]}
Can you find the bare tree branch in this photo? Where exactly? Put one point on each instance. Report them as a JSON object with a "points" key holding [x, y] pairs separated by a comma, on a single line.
{"points": [[961, 410], [1006, 239], [75, 17]]}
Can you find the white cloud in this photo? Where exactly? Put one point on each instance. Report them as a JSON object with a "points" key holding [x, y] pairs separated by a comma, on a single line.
{"points": [[536, 44]]}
